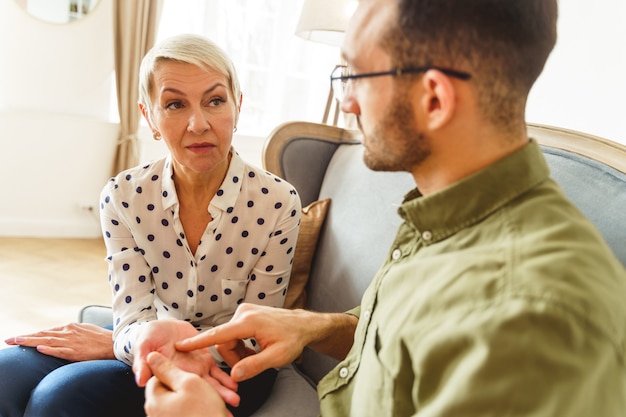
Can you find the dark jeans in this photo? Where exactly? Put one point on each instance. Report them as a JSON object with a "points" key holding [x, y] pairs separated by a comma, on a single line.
{"points": [[37, 385]]}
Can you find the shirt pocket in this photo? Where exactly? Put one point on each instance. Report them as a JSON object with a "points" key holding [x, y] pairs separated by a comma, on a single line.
{"points": [[234, 291]]}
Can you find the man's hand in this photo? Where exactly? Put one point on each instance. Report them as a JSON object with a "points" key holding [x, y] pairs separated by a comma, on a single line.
{"points": [[174, 392], [73, 342], [281, 333], [160, 336]]}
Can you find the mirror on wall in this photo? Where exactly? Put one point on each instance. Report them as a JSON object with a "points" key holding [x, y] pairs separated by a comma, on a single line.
{"points": [[58, 11]]}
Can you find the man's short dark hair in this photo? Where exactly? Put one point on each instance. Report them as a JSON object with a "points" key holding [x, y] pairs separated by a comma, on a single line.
{"points": [[503, 44]]}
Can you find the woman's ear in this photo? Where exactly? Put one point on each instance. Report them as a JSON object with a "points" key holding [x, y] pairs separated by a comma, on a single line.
{"points": [[439, 99], [146, 114], [238, 110]]}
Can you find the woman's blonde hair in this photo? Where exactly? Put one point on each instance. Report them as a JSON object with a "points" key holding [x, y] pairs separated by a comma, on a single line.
{"points": [[191, 49]]}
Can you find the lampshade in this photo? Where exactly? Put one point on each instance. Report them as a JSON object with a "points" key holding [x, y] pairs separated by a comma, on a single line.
{"points": [[325, 21]]}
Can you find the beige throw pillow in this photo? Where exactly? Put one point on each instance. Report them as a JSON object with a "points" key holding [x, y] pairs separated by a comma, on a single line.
{"points": [[311, 222]]}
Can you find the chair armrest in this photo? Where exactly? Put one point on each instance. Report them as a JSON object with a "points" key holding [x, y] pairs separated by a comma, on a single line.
{"points": [[95, 314]]}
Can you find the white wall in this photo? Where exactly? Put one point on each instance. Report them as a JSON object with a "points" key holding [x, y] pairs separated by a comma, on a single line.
{"points": [[56, 143], [583, 86], [55, 138]]}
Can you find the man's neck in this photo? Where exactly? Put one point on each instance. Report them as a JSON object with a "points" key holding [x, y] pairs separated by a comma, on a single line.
{"points": [[457, 155]]}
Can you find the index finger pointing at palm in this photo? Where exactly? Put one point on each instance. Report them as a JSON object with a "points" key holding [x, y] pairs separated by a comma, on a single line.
{"points": [[245, 323], [225, 333]]}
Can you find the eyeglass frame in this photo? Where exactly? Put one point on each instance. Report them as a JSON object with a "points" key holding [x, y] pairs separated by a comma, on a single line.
{"points": [[394, 72]]}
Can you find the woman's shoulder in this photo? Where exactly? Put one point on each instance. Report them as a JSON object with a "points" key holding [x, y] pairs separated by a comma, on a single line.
{"points": [[266, 179], [144, 170], [148, 172]]}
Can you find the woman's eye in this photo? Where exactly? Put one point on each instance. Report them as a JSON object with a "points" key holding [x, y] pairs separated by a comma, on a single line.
{"points": [[173, 105], [216, 101]]}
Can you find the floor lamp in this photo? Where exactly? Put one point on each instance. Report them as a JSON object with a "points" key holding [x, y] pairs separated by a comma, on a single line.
{"points": [[325, 21]]}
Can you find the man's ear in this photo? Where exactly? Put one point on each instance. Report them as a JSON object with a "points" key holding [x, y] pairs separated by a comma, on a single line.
{"points": [[439, 99]]}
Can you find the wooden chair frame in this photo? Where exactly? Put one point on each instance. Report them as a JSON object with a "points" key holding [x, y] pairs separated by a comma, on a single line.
{"points": [[594, 147]]}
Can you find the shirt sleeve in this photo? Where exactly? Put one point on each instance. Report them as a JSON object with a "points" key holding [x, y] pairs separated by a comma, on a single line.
{"points": [[356, 312], [517, 361], [129, 276], [269, 277]]}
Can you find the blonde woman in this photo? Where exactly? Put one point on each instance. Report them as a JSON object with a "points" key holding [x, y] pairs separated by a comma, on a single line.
{"points": [[189, 237]]}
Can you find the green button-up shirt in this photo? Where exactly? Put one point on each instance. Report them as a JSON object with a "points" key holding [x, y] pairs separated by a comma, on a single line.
{"points": [[498, 298]]}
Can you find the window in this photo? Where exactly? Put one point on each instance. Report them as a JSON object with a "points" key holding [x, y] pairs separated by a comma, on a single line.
{"points": [[283, 77]]}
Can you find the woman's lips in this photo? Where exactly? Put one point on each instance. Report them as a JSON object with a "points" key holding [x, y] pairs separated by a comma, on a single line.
{"points": [[201, 147]]}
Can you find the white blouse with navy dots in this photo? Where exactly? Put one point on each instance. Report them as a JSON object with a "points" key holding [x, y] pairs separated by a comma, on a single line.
{"points": [[245, 254]]}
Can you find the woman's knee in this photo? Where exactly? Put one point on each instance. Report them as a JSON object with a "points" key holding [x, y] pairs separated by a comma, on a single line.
{"points": [[93, 388], [22, 368]]}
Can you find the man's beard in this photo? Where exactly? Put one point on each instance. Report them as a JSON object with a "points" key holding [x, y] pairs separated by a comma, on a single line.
{"points": [[396, 143]]}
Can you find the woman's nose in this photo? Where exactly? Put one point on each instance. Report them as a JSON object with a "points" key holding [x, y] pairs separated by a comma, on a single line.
{"points": [[198, 122]]}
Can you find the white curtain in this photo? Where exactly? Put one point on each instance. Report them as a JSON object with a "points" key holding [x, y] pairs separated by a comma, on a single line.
{"points": [[135, 26]]}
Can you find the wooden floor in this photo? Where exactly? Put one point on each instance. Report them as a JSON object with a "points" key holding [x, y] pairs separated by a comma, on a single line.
{"points": [[45, 282]]}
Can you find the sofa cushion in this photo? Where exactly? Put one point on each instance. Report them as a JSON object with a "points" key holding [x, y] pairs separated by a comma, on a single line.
{"points": [[313, 217], [293, 395]]}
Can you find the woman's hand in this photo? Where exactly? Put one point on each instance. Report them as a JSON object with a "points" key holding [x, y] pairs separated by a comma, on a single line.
{"points": [[73, 342], [174, 392], [161, 336]]}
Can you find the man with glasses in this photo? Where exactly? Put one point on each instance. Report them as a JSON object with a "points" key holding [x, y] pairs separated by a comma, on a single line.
{"points": [[504, 299]]}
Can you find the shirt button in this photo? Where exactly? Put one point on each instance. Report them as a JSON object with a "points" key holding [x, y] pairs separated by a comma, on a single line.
{"points": [[427, 236], [396, 254], [366, 315], [343, 372]]}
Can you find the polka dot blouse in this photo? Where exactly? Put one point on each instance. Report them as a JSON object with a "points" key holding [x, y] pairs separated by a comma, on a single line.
{"points": [[244, 255]]}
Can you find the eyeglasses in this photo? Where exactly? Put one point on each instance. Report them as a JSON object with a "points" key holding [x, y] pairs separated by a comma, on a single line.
{"points": [[341, 75]]}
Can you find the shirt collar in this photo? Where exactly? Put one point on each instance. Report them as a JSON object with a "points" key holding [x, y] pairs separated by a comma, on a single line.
{"points": [[477, 196], [230, 189], [168, 189], [226, 195]]}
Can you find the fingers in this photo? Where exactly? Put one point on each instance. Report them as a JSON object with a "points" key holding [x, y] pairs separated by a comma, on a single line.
{"points": [[245, 323], [172, 391], [57, 352], [49, 346], [156, 389], [227, 395], [34, 341], [37, 338], [174, 378], [225, 334], [17, 340], [61, 335], [163, 369], [141, 368], [232, 352], [143, 371], [29, 337], [223, 378], [253, 365]]}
